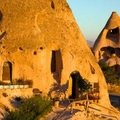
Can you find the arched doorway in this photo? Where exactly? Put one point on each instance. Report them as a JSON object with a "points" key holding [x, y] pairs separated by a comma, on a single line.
{"points": [[7, 71], [77, 85], [73, 88]]}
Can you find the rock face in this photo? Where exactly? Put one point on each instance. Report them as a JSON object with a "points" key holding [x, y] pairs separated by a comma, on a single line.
{"points": [[107, 45], [41, 41]]}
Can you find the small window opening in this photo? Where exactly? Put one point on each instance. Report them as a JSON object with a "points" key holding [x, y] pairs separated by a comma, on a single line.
{"points": [[35, 53], [41, 48], [113, 33], [52, 5], [20, 48], [1, 15], [53, 62], [96, 87], [7, 71]]}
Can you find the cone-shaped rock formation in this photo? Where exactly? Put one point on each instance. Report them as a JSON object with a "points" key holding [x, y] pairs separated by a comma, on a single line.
{"points": [[107, 45], [41, 41]]}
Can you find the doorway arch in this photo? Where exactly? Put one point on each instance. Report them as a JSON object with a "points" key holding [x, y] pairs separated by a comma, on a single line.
{"points": [[73, 88], [77, 85], [7, 71]]}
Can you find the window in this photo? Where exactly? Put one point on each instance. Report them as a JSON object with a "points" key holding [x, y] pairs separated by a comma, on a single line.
{"points": [[1, 15], [113, 33], [53, 62], [7, 71]]}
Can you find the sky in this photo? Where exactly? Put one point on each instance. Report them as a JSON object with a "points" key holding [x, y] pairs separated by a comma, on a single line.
{"points": [[92, 15]]}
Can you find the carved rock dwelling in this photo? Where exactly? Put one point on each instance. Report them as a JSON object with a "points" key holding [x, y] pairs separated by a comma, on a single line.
{"points": [[41, 41], [107, 45]]}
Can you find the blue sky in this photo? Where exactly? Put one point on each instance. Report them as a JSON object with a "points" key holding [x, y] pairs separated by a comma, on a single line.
{"points": [[92, 15]]}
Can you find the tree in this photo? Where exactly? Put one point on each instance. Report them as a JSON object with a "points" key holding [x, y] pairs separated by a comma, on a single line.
{"points": [[109, 73], [83, 84]]}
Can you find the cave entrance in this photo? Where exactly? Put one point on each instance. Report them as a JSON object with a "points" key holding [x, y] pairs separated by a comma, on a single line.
{"points": [[73, 88], [77, 86], [56, 65]]}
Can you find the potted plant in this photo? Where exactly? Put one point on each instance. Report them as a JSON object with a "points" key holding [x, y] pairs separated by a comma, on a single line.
{"points": [[28, 82], [20, 81]]}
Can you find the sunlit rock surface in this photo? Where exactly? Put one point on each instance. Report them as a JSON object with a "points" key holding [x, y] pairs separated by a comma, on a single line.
{"points": [[107, 46], [41, 41]]}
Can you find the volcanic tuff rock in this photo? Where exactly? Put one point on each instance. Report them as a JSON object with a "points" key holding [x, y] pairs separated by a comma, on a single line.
{"points": [[40, 40], [107, 45]]}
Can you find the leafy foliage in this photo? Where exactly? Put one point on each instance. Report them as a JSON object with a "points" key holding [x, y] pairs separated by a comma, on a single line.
{"points": [[83, 84], [109, 73], [32, 109]]}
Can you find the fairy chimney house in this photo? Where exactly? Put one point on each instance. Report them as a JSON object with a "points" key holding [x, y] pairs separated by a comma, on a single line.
{"points": [[41, 41], [107, 45]]}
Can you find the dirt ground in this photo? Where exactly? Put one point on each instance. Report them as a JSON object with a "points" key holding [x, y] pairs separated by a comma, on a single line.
{"points": [[68, 111], [79, 113]]}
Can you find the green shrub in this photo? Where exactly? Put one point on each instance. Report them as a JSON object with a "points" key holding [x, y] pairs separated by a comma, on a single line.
{"points": [[32, 109], [109, 73], [28, 82], [20, 81], [83, 84]]}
